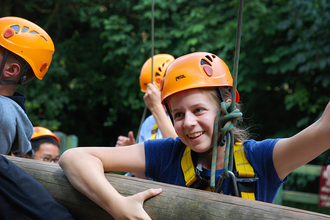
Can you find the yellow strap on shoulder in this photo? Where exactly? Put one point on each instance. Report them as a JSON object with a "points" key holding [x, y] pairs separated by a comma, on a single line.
{"points": [[243, 167], [154, 132], [188, 168]]}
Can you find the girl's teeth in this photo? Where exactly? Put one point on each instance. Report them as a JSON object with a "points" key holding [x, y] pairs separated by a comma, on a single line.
{"points": [[195, 135]]}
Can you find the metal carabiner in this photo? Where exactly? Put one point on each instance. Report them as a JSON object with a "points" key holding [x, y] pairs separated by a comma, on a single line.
{"points": [[221, 179], [233, 178]]}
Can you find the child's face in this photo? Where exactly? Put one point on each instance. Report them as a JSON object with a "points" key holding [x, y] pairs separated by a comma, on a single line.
{"points": [[47, 152], [193, 114]]}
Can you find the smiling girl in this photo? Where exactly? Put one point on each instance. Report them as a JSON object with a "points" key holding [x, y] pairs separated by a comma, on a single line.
{"points": [[193, 88]]}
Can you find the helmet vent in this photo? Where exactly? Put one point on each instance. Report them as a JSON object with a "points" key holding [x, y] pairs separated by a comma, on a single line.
{"points": [[205, 62], [25, 29], [15, 28], [163, 64], [43, 38], [209, 58]]}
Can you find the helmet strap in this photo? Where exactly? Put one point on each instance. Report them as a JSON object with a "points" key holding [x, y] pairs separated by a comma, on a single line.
{"points": [[25, 69], [221, 96], [4, 62], [168, 111]]}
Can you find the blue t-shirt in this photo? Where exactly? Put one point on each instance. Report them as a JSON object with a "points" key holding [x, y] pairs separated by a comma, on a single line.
{"points": [[163, 164]]}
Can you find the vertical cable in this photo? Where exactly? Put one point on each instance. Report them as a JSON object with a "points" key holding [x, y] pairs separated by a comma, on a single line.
{"points": [[228, 160], [237, 51], [152, 67], [152, 40]]}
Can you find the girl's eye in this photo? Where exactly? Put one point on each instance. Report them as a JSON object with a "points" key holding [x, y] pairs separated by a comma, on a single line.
{"points": [[197, 110], [178, 115]]}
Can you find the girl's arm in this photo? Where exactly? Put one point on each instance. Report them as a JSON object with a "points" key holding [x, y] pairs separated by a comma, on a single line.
{"points": [[85, 166], [153, 102], [291, 153]]}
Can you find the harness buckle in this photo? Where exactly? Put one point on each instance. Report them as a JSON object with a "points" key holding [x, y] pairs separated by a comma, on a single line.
{"points": [[246, 184]]}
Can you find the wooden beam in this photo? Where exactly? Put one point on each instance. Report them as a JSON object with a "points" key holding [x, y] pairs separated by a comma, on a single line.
{"points": [[174, 202]]}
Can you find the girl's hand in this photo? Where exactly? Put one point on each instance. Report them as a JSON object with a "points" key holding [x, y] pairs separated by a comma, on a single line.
{"points": [[131, 207], [152, 98]]}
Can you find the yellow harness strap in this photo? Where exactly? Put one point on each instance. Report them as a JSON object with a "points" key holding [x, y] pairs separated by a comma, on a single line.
{"points": [[243, 168], [187, 167], [154, 132]]}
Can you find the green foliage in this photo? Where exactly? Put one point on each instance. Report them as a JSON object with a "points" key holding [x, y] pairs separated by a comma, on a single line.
{"points": [[92, 87]]}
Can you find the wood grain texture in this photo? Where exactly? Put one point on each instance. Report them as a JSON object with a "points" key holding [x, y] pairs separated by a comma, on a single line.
{"points": [[174, 202]]}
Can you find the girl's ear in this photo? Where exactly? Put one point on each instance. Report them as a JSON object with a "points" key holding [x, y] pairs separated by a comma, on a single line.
{"points": [[11, 70]]}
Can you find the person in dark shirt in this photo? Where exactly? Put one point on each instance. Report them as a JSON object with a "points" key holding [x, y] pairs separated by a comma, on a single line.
{"points": [[25, 52]]}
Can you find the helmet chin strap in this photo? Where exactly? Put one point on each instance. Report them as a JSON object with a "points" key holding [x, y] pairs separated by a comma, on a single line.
{"points": [[25, 69], [7, 82]]}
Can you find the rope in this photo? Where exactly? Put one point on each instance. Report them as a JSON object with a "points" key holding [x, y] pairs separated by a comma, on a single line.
{"points": [[152, 67], [214, 150], [228, 120], [152, 40], [225, 125], [141, 122], [237, 50]]}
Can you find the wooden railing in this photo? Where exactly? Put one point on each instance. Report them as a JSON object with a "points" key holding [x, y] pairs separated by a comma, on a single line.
{"points": [[175, 202], [296, 196]]}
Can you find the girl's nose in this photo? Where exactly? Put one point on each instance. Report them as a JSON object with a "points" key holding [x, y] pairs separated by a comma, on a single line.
{"points": [[190, 120]]}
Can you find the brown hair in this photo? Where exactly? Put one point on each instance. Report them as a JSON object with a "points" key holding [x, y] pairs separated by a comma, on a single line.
{"points": [[240, 132]]}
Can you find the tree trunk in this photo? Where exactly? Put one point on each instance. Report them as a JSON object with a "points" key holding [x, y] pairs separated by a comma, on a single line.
{"points": [[174, 202]]}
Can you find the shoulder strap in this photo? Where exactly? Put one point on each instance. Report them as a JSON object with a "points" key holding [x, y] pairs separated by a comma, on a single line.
{"points": [[246, 177], [154, 132], [187, 167], [193, 179]]}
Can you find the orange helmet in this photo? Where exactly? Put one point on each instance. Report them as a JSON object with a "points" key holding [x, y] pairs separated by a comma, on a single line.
{"points": [[195, 70], [42, 132], [28, 41], [160, 63]]}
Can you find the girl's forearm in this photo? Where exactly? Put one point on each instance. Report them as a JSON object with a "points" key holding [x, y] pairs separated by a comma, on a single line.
{"points": [[164, 124], [85, 172]]}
